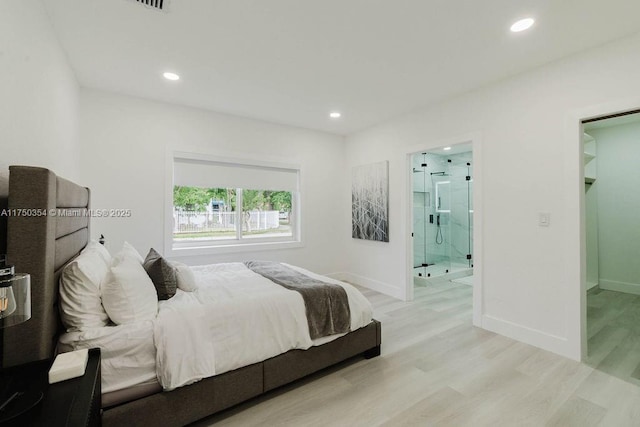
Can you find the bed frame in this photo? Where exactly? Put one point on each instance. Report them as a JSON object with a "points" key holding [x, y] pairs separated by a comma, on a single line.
{"points": [[41, 244]]}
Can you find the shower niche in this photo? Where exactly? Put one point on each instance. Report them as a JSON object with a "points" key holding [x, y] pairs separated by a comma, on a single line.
{"points": [[442, 215]]}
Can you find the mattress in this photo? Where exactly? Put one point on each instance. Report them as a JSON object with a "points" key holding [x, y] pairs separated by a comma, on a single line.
{"points": [[129, 356]]}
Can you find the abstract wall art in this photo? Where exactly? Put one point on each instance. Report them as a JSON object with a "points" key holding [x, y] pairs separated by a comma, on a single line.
{"points": [[370, 202]]}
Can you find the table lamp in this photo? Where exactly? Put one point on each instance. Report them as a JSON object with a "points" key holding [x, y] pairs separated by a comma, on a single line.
{"points": [[15, 308], [15, 296]]}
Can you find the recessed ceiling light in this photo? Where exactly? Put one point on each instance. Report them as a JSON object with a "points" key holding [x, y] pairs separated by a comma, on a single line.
{"points": [[171, 76], [447, 148], [521, 25], [335, 115]]}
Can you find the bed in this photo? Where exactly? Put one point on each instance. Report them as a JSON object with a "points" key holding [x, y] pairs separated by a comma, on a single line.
{"points": [[43, 245]]}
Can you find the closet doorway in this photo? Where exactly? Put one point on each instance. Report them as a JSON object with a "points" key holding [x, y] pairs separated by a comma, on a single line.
{"points": [[612, 202]]}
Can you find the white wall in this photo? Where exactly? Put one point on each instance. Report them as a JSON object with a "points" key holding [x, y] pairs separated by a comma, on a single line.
{"points": [[618, 205], [530, 162], [125, 144], [38, 92]]}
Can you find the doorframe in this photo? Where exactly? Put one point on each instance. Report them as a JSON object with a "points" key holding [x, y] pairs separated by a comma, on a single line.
{"points": [[475, 139], [577, 321]]}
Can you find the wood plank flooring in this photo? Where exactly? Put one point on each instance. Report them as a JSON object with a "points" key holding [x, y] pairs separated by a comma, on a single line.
{"points": [[436, 369], [613, 330]]}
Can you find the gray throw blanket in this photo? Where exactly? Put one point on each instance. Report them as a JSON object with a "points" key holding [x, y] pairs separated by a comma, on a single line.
{"points": [[327, 304]]}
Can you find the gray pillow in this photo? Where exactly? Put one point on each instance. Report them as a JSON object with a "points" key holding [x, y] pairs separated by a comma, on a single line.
{"points": [[162, 274]]}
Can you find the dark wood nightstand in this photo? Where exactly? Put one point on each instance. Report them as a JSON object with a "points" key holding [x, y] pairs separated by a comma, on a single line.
{"points": [[74, 402]]}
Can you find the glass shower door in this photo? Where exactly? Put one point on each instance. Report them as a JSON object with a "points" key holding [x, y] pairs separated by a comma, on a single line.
{"points": [[421, 202], [461, 216], [470, 205]]}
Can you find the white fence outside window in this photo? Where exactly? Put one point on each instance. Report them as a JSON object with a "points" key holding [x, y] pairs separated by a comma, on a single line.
{"points": [[185, 222]]}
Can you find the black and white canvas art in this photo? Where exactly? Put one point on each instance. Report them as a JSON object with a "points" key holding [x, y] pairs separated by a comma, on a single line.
{"points": [[370, 202]]}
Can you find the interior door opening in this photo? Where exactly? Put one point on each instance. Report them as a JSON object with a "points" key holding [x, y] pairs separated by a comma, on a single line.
{"points": [[612, 274], [442, 204]]}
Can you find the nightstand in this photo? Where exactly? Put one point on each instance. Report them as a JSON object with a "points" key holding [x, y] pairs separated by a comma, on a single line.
{"points": [[74, 402]]}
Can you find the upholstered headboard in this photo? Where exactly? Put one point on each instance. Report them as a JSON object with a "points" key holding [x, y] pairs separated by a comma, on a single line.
{"points": [[47, 228], [4, 198]]}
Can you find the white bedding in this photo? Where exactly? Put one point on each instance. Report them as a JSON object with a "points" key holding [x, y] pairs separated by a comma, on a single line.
{"points": [[127, 351], [235, 318]]}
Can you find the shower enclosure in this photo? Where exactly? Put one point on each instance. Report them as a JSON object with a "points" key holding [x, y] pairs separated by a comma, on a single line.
{"points": [[442, 214]]}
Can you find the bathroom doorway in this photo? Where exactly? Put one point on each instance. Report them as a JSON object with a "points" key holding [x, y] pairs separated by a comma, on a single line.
{"points": [[442, 204]]}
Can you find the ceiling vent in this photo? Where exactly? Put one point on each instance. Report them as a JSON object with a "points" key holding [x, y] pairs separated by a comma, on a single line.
{"points": [[154, 4]]}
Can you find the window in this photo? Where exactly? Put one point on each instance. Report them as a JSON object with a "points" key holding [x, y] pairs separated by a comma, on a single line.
{"points": [[226, 204]]}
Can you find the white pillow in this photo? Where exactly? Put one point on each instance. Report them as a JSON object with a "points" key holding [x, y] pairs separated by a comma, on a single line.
{"points": [[185, 277], [128, 295], [128, 251], [80, 304], [104, 253]]}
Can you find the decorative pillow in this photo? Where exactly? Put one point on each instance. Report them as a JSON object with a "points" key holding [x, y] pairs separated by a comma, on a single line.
{"points": [[185, 278], [128, 295], [162, 274], [80, 304], [128, 251], [104, 253]]}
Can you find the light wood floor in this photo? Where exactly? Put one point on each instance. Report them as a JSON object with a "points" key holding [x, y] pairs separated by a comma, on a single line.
{"points": [[438, 370], [613, 330]]}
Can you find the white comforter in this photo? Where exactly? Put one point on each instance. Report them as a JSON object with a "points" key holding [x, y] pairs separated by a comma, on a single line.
{"points": [[235, 318]]}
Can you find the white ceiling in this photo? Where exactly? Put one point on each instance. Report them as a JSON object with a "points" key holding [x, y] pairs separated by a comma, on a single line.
{"points": [[293, 61]]}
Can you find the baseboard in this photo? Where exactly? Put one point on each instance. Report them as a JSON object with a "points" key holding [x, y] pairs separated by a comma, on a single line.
{"points": [[612, 285], [591, 285], [537, 338], [372, 284]]}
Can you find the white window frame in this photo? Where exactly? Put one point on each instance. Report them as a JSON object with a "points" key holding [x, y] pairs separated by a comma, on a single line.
{"points": [[239, 244]]}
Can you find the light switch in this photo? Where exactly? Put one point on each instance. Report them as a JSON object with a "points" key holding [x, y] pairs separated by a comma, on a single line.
{"points": [[544, 219]]}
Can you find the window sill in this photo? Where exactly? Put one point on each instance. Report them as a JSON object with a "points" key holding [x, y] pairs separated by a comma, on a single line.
{"points": [[205, 249]]}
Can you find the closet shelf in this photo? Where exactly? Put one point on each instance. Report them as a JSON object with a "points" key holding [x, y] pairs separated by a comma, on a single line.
{"points": [[588, 157]]}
